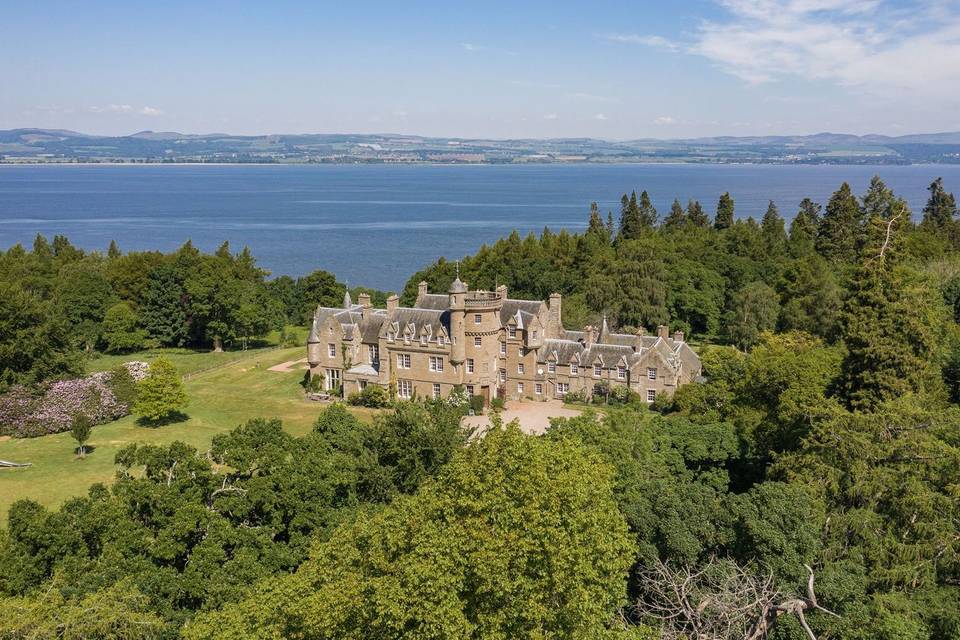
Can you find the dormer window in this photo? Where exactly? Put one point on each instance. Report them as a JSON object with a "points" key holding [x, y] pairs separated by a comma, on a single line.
{"points": [[574, 369], [390, 337], [621, 373], [513, 332], [332, 350], [534, 334], [597, 370], [440, 341], [551, 367], [423, 341]]}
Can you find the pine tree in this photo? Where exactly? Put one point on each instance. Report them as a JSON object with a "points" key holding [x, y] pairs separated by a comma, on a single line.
{"points": [[162, 313], [610, 228], [724, 219], [803, 228], [631, 224], [677, 217], [695, 214], [888, 321], [941, 209], [772, 230], [113, 251], [840, 226], [648, 213], [595, 227]]}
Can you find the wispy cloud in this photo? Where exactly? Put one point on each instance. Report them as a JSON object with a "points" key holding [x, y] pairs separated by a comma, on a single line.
{"points": [[599, 116], [550, 116], [477, 48], [126, 108], [665, 120], [872, 45], [655, 41]]}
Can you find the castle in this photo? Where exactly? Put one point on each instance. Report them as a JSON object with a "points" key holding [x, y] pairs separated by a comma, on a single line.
{"points": [[492, 345]]}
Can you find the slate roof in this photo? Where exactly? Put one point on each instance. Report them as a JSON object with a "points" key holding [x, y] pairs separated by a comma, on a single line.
{"points": [[510, 308], [437, 301]]}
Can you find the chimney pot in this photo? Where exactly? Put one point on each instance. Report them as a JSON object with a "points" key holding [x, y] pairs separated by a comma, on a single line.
{"points": [[663, 331], [392, 303]]}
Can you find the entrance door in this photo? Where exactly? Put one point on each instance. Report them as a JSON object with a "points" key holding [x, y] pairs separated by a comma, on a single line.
{"points": [[485, 392]]}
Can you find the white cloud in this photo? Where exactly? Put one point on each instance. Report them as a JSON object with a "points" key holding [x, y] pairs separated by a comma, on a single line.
{"points": [[657, 42], [599, 116], [126, 108], [474, 48], [868, 45], [470, 47], [665, 120], [550, 116]]}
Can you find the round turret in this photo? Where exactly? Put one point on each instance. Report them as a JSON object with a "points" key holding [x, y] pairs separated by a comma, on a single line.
{"points": [[457, 287]]}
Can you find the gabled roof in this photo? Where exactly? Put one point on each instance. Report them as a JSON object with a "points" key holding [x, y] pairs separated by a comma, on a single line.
{"points": [[565, 350], [436, 301], [511, 307]]}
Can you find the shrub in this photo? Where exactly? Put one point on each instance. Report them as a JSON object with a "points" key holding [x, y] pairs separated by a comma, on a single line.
{"points": [[459, 398], [27, 413], [497, 404], [575, 396], [476, 404], [123, 385], [372, 396]]}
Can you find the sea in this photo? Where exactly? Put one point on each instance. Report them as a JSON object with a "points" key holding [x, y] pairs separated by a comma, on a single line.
{"points": [[376, 225]]}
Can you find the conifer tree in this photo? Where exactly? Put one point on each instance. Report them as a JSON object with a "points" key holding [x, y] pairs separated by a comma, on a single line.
{"points": [[595, 227], [840, 226], [113, 251], [677, 217], [631, 224], [941, 209], [772, 230], [696, 215], [803, 228], [724, 219], [647, 212], [889, 319]]}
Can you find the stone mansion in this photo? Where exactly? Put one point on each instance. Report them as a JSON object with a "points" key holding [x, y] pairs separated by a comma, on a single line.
{"points": [[489, 343]]}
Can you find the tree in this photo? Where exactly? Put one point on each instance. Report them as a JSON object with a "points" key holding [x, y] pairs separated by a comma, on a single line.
{"points": [[519, 537], [162, 313], [695, 214], [82, 296], [724, 218], [80, 428], [121, 331], [161, 395], [753, 310], [772, 230], [648, 213], [34, 341], [890, 322], [676, 218], [631, 223], [113, 251], [940, 212], [840, 226], [321, 288], [804, 227]]}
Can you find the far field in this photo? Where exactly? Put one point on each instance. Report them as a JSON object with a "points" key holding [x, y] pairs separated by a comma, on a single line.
{"points": [[225, 389]]}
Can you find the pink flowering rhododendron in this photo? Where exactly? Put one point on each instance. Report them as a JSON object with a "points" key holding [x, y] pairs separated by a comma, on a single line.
{"points": [[26, 413]]}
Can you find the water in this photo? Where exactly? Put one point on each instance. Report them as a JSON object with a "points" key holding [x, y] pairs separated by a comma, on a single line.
{"points": [[375, 225]]}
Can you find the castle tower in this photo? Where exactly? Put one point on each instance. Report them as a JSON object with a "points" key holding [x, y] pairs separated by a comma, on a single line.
{"points": [[458, 300]]}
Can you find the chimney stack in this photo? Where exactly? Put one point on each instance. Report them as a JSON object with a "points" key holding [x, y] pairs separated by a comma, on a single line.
{"points": [[678, 336], [502, 291], [392, 303], [364, 300], [588, 335], [663, 331], [421, 290], [556, 319]]}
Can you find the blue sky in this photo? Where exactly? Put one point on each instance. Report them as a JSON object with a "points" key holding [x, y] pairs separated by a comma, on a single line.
{"points": [[604, 69]]}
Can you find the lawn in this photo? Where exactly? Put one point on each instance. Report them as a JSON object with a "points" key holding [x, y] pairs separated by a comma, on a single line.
{"points": [[220, 399]]}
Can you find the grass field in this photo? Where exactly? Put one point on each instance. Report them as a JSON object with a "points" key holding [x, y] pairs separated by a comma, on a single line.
{"points": [[238, 389]]}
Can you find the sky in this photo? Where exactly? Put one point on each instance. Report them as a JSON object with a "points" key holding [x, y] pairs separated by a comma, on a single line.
{"points": [[599, 68]]}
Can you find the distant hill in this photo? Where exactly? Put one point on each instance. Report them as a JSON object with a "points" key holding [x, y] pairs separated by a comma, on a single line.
{"points": [[61, 145]]}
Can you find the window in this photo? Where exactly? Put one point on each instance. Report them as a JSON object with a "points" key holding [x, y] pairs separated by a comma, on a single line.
{"points": [[503, 348], [534, 334], [651, 395], [538, 388], [621, 373], [551, 367], [436, 363], [597, 370], [373, 351], [423, 341], [651, 373], [477, 318], [520, 368], [477, 341], [441, 341], [513, 332], [332, 350], [404, 388], [436, 391], [562, 388], [469, 389], [574, 369], [469, 365], [520, 352], [503, 376], [403, 361], [332, 379], [519, 387], [390, 336]]}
